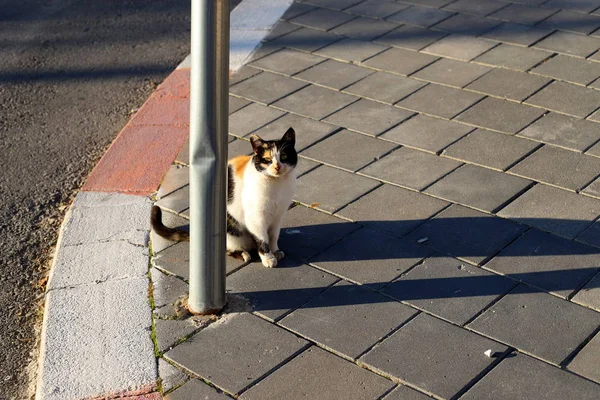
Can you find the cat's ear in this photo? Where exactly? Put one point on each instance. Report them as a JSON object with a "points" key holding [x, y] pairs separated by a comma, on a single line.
{"points": [[257, 143], [289, 136]]}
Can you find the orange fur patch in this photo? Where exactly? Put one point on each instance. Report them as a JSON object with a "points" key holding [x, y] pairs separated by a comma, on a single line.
{"points": [[239, 165]]}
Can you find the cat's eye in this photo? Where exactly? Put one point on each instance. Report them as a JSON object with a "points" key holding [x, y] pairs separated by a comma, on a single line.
{"points": [[283, 157]]}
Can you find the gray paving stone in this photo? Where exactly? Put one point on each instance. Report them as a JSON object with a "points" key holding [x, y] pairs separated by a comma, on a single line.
{"points": [[236, 103], [508, 84], [305, 165], [170, 331], [364, 28], [266, 87], [239, 147], [410, 168], [377, 8], [468, 234], [538, 323], [451, 72], [547, 261], [196, 389], [279, 29], [587, 361], [593, 189], [333, 4], [167, 290], [559, 167], [276, 291], [429, 3], [570, 69], [400, 61], [449, 288], [334, 74], [286, 61], [410, 37], [440, 101], [346, 306], [564, 131], [307, 232], [427, 133], [330, 377], [370, 258], [170, 376], [330, 189], [369, 117], [242, 74], [490, 149], [585, 6], [521, 377], [595, 116], [177, 176], [295, 10], [308, 131], [570, 43], [405, 393], [420, 16], [467, 25], [263, 50], [461, 47], [594, 150], [523, 35], [306, 39], [567, 98], [513, 57], [500, 115], [480, 188], [589, 295], [236, 352], [522, 14], [572, 21], [385, 87], [159, 243], [321, 18], [434, 355], [250, 118], [315, 102], [477, 7], [553, 210], [591, 235], [335, 149], [177, 201], [392, 209], [351, 50]]}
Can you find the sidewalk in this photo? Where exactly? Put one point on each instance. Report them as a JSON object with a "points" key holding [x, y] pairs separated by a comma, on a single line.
{"points": [[445, 240]]}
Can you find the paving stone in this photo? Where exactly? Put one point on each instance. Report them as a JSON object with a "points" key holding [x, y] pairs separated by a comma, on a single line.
{"points": [[286, 61], [306, 39], [377, 8], [405, 393], [585, 6], [570, 69], [440, 101], [559, 167], [266, 87], [477, 7], [159, 243], [345, 306], [295, 10], [467, 234], [334, 4], [369, 117], [364, 28], [594, 150], [508, 84], [239, 147], [522, 14], [567, 98], [587, 361], [242, 74], [572, 21], [434, 355], [250, 118], [335, 149], [523, 35], [177, 176], [334, 74], [553, 210], [196, 389], [547, 261], [449, 289], [262, 50], [329, 376], [276, 291], [480, 188], [370, 258], [561, 130], [177, 201], [427, 133], [170, 376], [589, 295], [490, 149], [236, 103], [467, 25], [411, 37], [400, 61], [330, 189], [321, 18], [570, 43], [521, 377], [236, 352], [307, 232], [513, 57], [308, 131], [451, 72], [459, 47], [169, 332], [167, 290], [351, 50], [595, 116], [420, 16], [591, 235], [385, 87], [279, 29], [315, 102], [392, 209], [538, 323], [429, 3], [410, 168], [305, 165], [593, 189], [500, 115]]}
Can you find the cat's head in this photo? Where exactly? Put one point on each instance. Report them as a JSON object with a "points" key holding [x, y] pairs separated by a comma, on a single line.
{"points": [[275, 157]]}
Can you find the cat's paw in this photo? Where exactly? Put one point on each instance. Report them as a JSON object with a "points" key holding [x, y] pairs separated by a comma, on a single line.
{"points": [[246, 256], [279, 254], [268, 260]]}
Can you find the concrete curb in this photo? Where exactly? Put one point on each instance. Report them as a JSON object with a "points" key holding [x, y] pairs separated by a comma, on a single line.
{"points": [[96, 335]]}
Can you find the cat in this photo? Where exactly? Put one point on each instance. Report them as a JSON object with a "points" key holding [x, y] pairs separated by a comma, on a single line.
{"points": [[260, 189]]}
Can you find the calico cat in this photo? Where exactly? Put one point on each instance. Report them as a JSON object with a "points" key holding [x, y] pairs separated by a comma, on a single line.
{"points": [[260, 189]]}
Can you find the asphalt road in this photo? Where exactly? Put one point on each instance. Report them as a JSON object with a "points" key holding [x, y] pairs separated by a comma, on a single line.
{"points": [[71, 74]]}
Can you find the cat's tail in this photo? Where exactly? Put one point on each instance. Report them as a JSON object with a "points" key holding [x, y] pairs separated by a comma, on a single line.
{"points": [[164, 231]]}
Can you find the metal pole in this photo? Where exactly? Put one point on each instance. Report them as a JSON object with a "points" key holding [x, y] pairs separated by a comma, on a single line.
{"points": [[208, 154]]}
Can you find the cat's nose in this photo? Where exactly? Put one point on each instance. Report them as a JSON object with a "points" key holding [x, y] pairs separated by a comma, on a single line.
{"points": [[277, 167]]}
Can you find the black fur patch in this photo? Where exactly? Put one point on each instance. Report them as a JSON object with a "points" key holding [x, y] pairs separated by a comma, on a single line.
{"points": [[230, 185], [234, 227], [262, 247]]}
